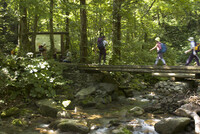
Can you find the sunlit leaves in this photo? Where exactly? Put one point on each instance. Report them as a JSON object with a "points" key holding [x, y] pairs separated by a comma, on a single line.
{"points": [[36, 76]]}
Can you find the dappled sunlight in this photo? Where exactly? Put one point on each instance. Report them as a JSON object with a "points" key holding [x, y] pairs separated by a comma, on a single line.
{"points": [[178, 75], [38, 76], [45, 131], [66, 103], [152, 93], [92, 117]]}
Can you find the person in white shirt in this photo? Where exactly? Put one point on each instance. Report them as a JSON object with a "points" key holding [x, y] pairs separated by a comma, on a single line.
{"points": [[68, 57], [193, 53]]}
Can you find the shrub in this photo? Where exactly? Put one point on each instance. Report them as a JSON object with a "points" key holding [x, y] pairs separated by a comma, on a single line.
{"points": [[30, 77]]}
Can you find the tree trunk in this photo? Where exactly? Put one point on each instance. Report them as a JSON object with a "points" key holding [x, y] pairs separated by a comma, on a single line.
{"points": [[67, 31], [52, 48], [83, 43], [3, 23], [190, 110], [25, 44], [34, 33], [116, 30], [4, 5]]}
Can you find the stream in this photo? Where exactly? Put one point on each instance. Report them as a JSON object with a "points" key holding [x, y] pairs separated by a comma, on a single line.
{"points": [[107, 120], [116, 117]]}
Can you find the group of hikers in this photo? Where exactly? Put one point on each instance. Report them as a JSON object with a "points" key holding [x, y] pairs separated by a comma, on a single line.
{"points": [[161, 49], [65, 58], [102, 43], [193, 49]]}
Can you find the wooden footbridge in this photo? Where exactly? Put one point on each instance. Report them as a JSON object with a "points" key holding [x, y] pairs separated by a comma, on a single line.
{"points": [[167, 71]]}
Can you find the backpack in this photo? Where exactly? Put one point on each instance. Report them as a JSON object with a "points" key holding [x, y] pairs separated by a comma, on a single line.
{"points": [[100, 44], [163, 48], [41, 48], [197, 47]]}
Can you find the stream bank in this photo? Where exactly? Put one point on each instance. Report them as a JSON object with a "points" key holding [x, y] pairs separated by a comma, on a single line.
{"points": [[96, 104]]}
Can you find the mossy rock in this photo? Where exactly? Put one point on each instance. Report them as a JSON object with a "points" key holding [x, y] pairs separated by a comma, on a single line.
{"points": [[25, 111], [73, 126], [49, 107], [10, 112], [121, 130], [19, 122], [88, 101]]}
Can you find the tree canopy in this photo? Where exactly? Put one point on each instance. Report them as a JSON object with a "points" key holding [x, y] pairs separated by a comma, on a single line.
{"points": [[129, 25]]}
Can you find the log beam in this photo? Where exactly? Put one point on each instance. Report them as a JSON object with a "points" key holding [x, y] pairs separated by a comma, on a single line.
{"points": [[190, 110], [179, 75]]}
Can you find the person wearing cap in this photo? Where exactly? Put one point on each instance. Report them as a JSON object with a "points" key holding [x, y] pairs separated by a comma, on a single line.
{"points": [[160, 54], [193, 54]]}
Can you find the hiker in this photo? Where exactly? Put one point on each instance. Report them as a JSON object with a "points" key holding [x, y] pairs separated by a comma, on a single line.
{"points": [[15, 50], [193, 54], [42, 49], [68, 57], [160, 53], [102, 48]]}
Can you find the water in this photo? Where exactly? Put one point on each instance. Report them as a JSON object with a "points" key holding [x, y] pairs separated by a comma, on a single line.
{"points": [[139, 126], [143, 128]]}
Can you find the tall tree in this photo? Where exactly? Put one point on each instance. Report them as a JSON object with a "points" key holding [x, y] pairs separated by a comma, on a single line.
{"points": [[83, 43], [67, 27], [52, 48], [25, 44], [116, 29], [35, 30], [2, 21]]}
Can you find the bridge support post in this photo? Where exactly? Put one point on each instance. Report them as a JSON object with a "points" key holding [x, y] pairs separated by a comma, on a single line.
{"points": [[197, 76]]}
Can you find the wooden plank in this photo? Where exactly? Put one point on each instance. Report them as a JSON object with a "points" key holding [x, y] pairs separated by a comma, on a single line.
{"points": [[145, 69], [137, 68], [178, 75]]}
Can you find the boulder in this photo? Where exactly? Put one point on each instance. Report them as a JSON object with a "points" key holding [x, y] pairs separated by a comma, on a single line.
{"points": [[107, 87], [141, 102], [48, 107], [85, 92], [121, 130], [172, 125], [10, 112], [63, 114], [71, 125], [100, 88], [137, 111], [96, 94], [20, 122]]}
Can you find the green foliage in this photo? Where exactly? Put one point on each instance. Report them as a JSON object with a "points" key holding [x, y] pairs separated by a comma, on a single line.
{"points": [[134, 81], [19, 122], [30, 77], [141, 22], [10, 112], [126, 131]]}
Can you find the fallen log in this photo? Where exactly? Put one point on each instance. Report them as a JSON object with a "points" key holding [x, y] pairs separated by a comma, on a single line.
{"points": [[190, 110]]}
